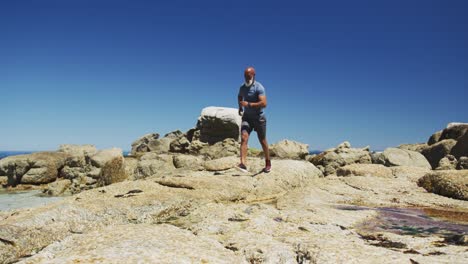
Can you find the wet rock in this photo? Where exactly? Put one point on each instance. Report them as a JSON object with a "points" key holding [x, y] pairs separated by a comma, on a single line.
{"points": [[450, 183], [289, 149], [402, 157], [376, 170], [437, 151]]}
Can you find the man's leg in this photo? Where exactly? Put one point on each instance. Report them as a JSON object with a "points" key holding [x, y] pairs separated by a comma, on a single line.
{"points": [[265, 148], [261, 133], [243, 148]]}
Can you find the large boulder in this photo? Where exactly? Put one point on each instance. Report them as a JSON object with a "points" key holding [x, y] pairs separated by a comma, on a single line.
{"points": [[448, 162], [141, 144], [188, 162], [153, 164], [462, 163], [454, 131], [402, 157], [225, 148], [152, 142], [330, 160], [418, 147], [461, 147], [35, 168], [434, 153], [449, 183], [77, 154], [111, 164], [410, 173], [434, 138], [288, 149], [218, 123], [375, 170]]}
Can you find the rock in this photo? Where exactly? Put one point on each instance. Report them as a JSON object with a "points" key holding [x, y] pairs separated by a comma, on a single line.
{"points": [[448, 162], [288, 149], [174, 134], [35, 168], [461, 147], [131, 165], [434, 138], [3, 181], [153, 164], [402, 157], [462, 163], [410, 173], [331, 159], [376, 170], [77, 150], [454, 131], [112, 244], [418, 147], [58, 187], [141, 144], [449, 183], [188, 162], [112, 165], [225, 148], [179, 145], [221, 163], [437, 151], [219, 123]]}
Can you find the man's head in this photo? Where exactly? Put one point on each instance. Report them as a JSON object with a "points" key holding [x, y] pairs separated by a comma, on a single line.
{"points": [[249, 76]]}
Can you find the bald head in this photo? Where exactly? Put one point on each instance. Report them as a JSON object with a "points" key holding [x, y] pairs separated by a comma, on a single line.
{"points": [[249, 76]]}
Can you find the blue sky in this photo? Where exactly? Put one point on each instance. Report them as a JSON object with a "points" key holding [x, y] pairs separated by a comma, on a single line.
{"points": [[378, 73]]}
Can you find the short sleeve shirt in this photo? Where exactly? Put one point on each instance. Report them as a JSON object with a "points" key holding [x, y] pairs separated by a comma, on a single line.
{"points": [[251, 94]]}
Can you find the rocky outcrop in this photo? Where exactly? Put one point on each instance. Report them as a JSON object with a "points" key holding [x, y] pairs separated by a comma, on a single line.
{"points": [[330, 160], [454, 131], [87, 168], [35, 168], [188, 162], [221, 164], [401, 157], [434, 138], [289, 149], [153, 164], [461, 147], [410, 173], [225, 148], [152, 142], [418, 147], [449, 183], [434, 153], [219, 123], [374, 170], [448, 162], [462, 163]]}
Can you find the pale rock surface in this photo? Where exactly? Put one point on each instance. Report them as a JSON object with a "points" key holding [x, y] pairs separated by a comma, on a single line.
{"points": [[188, 162], [402, 157], [376, 170], [448, 162], [289, 149], [221, 163], [450, 183], [218, 123]]}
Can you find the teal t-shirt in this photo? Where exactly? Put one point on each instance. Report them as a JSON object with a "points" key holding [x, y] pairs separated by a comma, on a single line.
{"points": [[250, 94]]}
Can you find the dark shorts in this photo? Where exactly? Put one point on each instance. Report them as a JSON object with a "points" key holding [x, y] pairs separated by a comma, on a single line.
{"points": [[257, 123]]}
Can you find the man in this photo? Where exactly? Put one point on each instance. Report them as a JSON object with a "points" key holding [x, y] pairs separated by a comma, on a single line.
{"points": [[252, 100]]}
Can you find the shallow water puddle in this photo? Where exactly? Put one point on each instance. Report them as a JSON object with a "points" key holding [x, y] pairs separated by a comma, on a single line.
{"points": [[414, 221], [24, 199]]}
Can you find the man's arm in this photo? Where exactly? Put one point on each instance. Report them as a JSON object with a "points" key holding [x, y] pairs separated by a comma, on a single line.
{"points": [[262, 102]]}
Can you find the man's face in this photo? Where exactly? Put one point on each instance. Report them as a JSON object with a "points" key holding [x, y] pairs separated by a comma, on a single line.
{"points": [[249, 76]]}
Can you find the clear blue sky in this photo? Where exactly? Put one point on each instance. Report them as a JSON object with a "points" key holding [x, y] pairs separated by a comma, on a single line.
{"points": [[378, 73]]}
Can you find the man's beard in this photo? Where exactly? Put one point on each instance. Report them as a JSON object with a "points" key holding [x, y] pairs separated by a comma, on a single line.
{"points": [[249, 83]]}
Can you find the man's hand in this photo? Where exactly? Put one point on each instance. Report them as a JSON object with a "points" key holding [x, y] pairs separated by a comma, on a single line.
{"points": [[244, 103], [241, 112]]}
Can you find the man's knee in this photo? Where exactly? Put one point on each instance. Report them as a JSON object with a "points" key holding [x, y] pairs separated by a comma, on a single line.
{"points": [[244, 137]]}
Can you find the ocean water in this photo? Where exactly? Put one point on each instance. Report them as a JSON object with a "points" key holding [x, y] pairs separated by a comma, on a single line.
{"points": [[4, 154]]}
